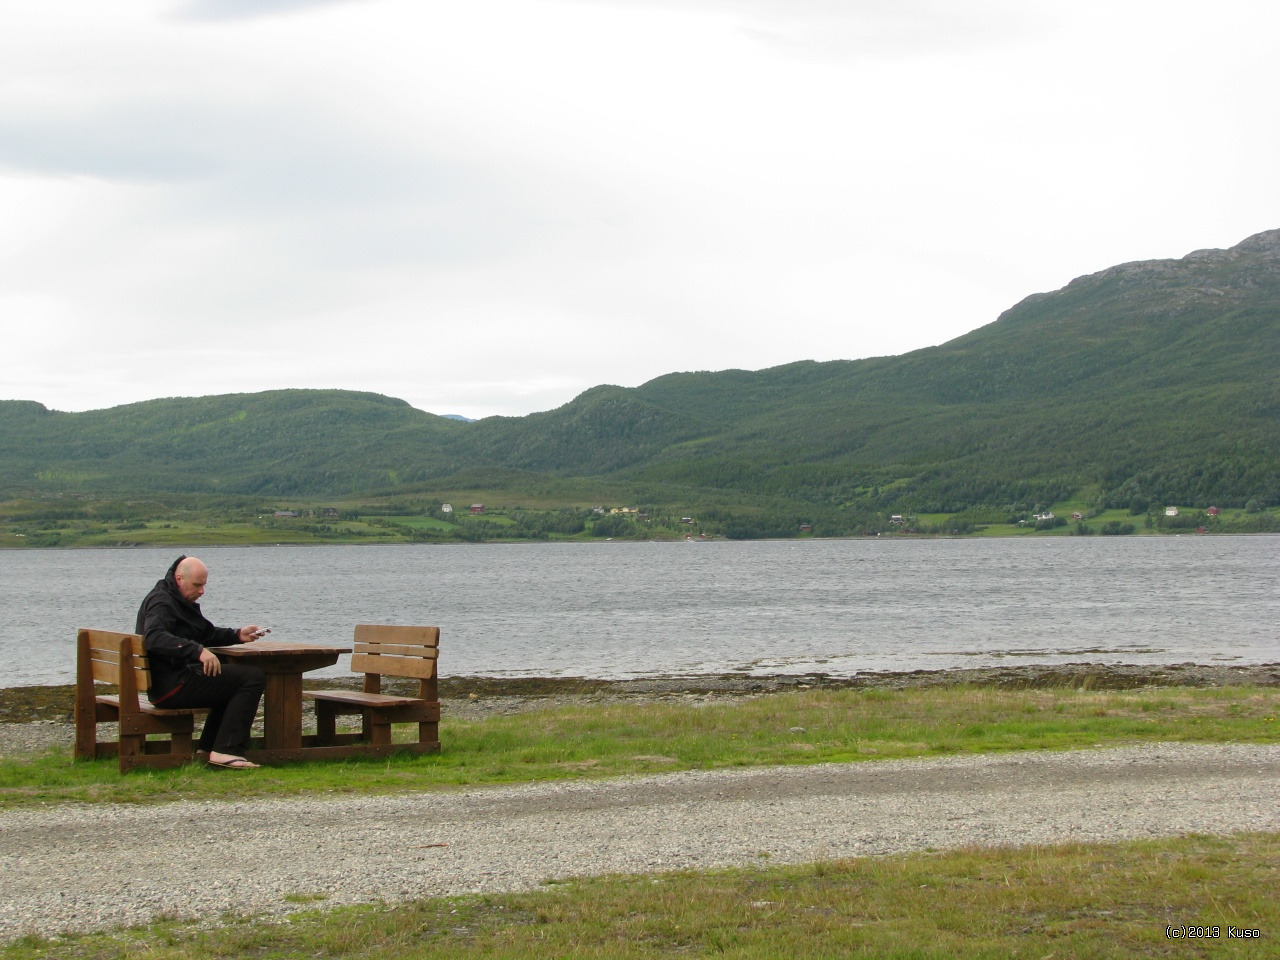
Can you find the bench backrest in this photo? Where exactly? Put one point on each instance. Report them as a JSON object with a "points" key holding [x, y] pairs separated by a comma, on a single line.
{"points": [[119, 659], [391, 651]]}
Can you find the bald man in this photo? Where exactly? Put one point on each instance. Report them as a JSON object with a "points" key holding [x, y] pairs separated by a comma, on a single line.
{"points": [[185, 674]]}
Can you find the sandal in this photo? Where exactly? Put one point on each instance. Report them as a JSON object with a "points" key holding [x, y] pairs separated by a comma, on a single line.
{"points": [[234, 763]]}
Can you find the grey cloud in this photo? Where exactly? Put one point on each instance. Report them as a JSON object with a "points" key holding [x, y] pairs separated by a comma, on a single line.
{"points": [[269, 156], [127, 144], [338, 196]]}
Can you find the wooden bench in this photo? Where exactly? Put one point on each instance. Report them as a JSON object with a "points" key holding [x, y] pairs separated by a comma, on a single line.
{"points": [[385, 651], [120, 660]]}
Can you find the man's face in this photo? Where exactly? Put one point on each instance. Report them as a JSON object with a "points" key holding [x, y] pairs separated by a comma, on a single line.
{"points": [[191, 583]]}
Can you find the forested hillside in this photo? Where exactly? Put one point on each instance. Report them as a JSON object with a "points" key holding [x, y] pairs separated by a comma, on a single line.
{"points": [[281, 441], [1155, 380], [1158, 378]]}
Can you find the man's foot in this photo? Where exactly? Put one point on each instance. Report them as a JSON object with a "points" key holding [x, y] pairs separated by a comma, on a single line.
{"points": [[229, 762]]}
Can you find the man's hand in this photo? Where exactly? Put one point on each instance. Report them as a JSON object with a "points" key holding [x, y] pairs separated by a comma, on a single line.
{"points": [[211, 665], [249, 634]]}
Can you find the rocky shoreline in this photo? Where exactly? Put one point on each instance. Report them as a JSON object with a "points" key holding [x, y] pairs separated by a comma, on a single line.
{"points": [[485, 695]]}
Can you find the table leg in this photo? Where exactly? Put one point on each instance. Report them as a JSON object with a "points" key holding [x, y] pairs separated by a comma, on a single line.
{"points": [[282, 712]]}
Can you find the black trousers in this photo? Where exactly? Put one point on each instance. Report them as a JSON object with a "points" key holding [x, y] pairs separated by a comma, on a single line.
{"points": [[232, 698]]}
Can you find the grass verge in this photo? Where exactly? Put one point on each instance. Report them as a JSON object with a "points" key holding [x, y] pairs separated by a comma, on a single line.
{"points": [[1100, 901], [598, 740]]}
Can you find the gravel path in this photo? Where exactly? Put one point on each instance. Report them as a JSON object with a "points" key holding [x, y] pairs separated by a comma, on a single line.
{"points": [[76, 868]]}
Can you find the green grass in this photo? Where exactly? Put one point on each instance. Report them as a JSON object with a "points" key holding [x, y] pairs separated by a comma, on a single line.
{"points": [[1107, 901], [424, 523], [1098, 901], [195, 531], [1094, 524], [156, 524], [599, 740], [183, 532]]}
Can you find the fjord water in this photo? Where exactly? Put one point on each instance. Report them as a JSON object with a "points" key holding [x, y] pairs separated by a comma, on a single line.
{"points": [[617, 610]]}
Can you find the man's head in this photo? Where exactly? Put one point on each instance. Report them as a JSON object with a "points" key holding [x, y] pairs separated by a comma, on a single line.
{"points": [[191, 576]]}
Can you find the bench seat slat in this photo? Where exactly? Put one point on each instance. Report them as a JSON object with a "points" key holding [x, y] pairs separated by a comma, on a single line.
{"points": [[358, 698], [144, 706]]}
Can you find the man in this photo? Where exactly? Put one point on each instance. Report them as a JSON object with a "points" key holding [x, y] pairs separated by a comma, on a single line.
{"points": [[185, 674]]}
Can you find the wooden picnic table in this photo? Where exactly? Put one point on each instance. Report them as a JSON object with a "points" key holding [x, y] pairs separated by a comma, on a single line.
{"points": [[284, 664]]}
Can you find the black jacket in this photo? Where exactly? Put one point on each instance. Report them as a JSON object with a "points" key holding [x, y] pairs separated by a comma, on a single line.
{"points": [[174, 632]]}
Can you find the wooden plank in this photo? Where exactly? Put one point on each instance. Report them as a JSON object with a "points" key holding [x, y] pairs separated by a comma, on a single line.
{"points": [[397, 650], [106, 710], [386, 633], [412, 712], [85, 709], [110, 700], [151, 711], [105, 671], [394, 666], [356, 697], [336, 740], [145, 723]]}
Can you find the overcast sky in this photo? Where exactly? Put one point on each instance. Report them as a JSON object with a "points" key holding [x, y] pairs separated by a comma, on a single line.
{"points": [[486, 207]]}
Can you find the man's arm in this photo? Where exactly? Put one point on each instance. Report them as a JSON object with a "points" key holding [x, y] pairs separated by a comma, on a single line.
{"points": [[164, 634]]}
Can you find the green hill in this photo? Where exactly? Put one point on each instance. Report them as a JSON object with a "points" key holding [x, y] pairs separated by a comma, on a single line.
{"points": [[1154, 380], [301, 442]]}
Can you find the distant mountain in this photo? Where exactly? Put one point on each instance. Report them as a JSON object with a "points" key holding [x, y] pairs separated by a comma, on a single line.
{"points": [[298, 442], [1156, 379]]}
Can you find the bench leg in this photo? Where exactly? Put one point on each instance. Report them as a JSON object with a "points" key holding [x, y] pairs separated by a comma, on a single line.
{"points": [[326, 723], [181, 745], [377, 729], [133, 750], [88, 746], [86, 737]]}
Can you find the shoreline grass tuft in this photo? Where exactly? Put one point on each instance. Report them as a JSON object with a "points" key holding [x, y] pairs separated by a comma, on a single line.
{"points": [[594, 740]]}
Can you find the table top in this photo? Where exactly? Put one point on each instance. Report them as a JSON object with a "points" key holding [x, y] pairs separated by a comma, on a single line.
{"points": [[281, 657], [259, 648]]}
